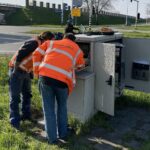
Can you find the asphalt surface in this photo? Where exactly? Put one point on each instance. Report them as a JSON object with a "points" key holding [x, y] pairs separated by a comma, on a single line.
{"points": [[12, 37]]}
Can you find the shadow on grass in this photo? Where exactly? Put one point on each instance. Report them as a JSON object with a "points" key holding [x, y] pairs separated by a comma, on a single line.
{"points": [[77, 140], [133, 99]]}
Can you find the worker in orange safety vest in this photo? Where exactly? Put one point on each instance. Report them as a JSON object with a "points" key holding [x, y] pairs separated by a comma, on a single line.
{"points": [[54, 63], [20, 71]]}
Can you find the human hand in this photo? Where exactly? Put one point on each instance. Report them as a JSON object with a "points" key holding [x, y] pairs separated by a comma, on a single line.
{"points": [[36, 76], [16, 67]]}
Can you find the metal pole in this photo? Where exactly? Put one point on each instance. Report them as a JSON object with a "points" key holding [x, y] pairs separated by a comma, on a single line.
{"points": [[62, 14], [127, 14], [96, 10], [90, 15], [136, 20], [75, 21]]}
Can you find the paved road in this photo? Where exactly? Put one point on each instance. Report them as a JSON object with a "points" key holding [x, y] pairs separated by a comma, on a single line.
{"points": [[12, 37], [19, 30], [10, 43]]}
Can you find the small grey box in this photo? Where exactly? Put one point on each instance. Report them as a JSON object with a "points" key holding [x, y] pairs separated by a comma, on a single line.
{"points": [[141, 70]]}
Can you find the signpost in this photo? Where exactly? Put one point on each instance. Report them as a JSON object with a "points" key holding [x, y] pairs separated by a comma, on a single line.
{"points": [[75, 12], [136, 19]]}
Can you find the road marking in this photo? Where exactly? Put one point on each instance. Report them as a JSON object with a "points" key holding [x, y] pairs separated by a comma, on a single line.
{"points": [[13, 39]]}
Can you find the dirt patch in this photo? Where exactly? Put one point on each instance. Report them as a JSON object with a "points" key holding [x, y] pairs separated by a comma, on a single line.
{"points": [[130, 128]]}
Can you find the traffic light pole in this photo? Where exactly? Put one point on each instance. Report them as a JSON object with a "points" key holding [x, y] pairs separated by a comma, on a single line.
{"points": [[136, 20], [127, 14], [137, 13]]}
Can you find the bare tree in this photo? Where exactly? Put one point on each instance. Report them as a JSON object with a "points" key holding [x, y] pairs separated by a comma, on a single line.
{"points": [[99, 5]]}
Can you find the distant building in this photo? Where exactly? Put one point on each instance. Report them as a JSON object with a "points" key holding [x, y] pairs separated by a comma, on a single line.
{"points": [[2, 18]]}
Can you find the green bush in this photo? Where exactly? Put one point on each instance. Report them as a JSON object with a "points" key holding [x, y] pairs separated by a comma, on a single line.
{"points": [[39, 15], [4, 60]]}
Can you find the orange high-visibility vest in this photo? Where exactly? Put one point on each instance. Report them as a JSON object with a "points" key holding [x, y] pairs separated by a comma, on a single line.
{"points": [[57, 60], [26, 64]]}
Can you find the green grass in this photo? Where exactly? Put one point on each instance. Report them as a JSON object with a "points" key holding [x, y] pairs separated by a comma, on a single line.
{"points": [[136, 34], [146, 146], [133, 99], [40, 31], [141, 27], [49, 26]]}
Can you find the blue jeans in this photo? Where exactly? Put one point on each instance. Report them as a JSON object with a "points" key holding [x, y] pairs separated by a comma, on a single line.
{"points": [[19, 91], [49, 95]]}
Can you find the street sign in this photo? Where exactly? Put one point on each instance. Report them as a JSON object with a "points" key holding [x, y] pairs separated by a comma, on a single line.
{"points": [[75, 12], [77, 3]]}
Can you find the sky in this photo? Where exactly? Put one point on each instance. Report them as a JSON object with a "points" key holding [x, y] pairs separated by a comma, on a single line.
{"points": [[120, 6]]}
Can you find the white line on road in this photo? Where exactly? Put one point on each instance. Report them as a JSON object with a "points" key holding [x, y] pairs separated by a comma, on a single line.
{"points": [[13, 39]]}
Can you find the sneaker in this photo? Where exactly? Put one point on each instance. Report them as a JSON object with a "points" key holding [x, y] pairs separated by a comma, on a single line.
{"points": [[63, 140], [59, 142]]}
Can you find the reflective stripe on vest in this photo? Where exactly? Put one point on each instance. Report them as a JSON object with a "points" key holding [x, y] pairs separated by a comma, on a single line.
{"points": [[63, 52], [74, 63], [42, 52], [24, 62], [62, 71], [50, 47], [75, 58], [36, 64], [25, 69]]}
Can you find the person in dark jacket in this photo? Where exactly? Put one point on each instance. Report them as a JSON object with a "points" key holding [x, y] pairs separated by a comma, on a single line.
{"points": [[70, 28], [20, 69]]}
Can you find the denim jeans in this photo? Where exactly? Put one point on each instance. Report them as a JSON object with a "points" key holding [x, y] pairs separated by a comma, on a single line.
{"points": [[50, 94], [19, 91]]}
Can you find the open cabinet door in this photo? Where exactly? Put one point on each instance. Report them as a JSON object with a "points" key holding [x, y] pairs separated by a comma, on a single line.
{"points": [[137, 64], [104, 68]]}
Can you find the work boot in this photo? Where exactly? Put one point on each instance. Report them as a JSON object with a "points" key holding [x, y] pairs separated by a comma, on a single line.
{"points": [[23, 118], [15, 124], [28, 118], [71, 131]]}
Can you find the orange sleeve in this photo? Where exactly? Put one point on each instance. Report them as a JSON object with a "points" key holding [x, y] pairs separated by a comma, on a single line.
{"points": [[38, 56], [80, 60]]}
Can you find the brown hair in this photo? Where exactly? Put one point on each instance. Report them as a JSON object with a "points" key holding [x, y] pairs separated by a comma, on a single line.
{"points": [[47, 35], [70, 36]]}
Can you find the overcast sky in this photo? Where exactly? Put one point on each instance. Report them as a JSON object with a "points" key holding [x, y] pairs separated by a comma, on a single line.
{"points": [[119, 5]]}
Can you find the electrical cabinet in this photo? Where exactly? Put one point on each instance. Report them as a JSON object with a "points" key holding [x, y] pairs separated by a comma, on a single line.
{"points": [[114, 63], [117, 63], [81, 101]]}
